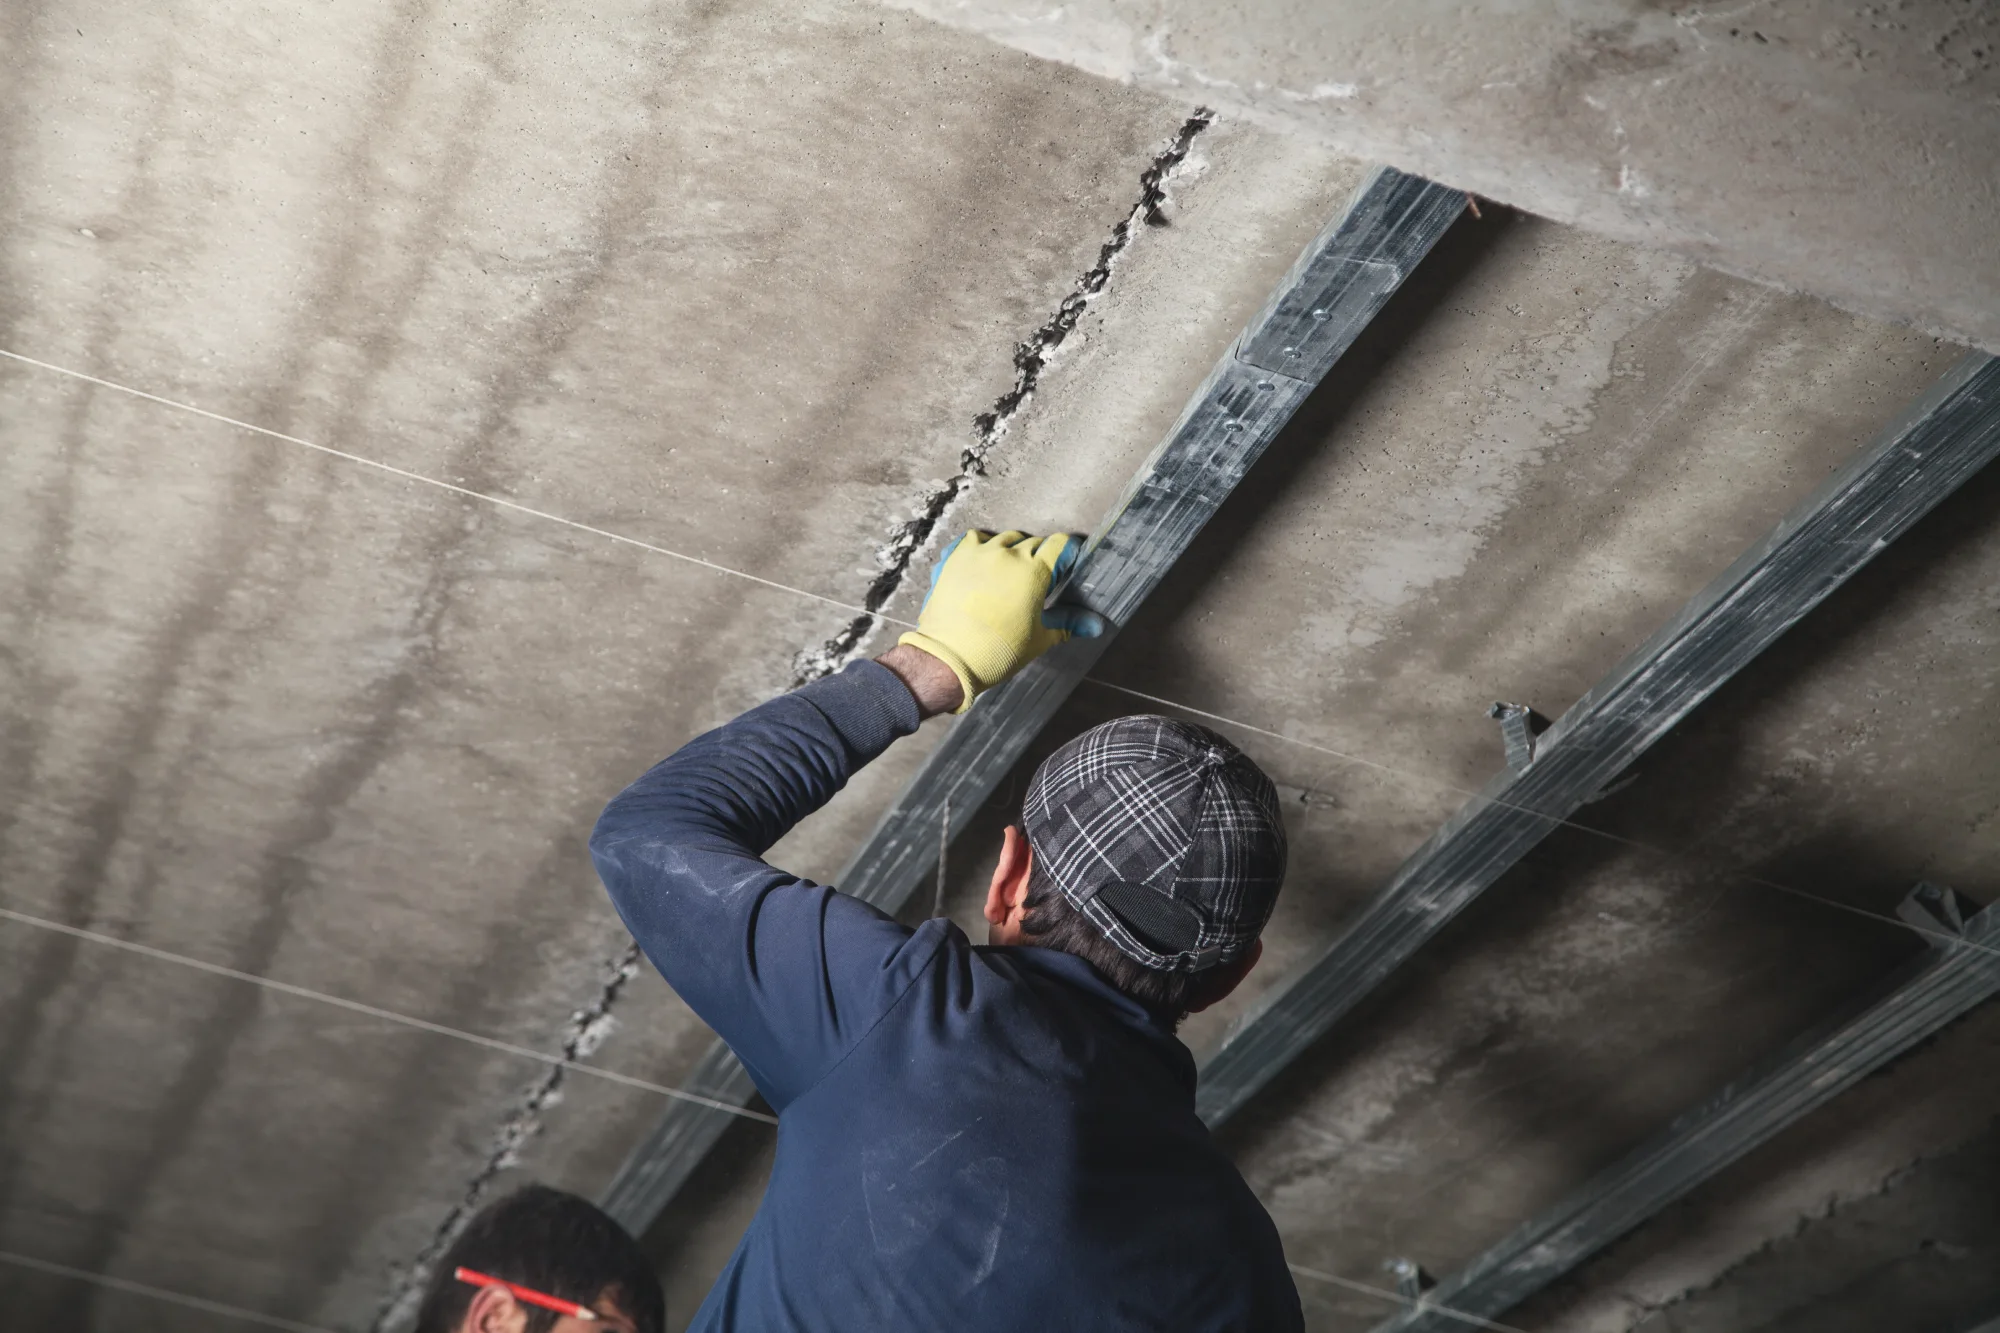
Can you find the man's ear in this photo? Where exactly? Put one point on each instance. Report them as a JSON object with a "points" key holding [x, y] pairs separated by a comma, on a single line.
{"points": [[494, 1310], [1215, 987], [1009, 888]]}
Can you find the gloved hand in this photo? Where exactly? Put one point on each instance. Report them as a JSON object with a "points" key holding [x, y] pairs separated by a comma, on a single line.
{"points": [[983, 616]]}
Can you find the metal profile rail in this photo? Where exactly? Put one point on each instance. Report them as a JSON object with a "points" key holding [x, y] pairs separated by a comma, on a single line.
{"points": [[1948, 980], [1943, 438], [1338, 285]]}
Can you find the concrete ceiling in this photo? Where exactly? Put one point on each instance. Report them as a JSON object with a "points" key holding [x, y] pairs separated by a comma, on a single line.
{"points": [[1841, 147], [728, 285]]}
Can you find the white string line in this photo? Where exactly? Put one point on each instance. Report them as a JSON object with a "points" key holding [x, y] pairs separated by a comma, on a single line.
{"points": [[158, 1293], [1422, 1304], [374, 1011], [1680, 858], [467, 492], [1281, 736], [442, 485], [424, 1025], [292, 1326], [528, 1053]]}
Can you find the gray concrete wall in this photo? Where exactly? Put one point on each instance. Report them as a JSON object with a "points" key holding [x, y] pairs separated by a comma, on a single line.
{"points": [[1845, 149]]}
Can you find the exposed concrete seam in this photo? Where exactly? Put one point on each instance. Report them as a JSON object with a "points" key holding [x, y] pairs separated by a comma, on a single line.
{"points": [[1032, 356], [588, 1028]]}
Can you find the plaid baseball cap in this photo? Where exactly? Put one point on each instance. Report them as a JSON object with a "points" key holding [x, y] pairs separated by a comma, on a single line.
{"points": [[1164, 835]]}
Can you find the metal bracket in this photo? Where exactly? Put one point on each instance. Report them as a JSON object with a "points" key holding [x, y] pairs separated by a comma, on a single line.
{"points": [[1519, 726], [1936, 910], [1411, 1279]]}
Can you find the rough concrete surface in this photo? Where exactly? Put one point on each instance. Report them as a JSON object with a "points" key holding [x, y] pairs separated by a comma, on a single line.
{"points": [[1842, 148], [1245, 203], [278, 711], [1503, 514], [1547, 445], [1898, 1174], [1927, 1241], [734, 281]]}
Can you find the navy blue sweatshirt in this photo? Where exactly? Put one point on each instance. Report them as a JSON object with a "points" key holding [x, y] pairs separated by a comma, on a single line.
{"points": [[969, 1137]]}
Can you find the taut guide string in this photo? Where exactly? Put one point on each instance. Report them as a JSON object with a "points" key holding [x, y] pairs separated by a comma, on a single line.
{"points": [[1722, 872], [943, 845], [227, 1311], [1423, 1303], [464, 491], [375, 1011], [468, 493], [150, 1292]]}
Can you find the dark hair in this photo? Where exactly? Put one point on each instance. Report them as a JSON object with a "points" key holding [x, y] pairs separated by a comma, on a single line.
{"points": [[1052, 922], [556, 1243]]}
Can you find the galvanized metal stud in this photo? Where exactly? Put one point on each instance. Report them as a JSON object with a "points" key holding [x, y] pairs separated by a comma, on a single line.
{"points": [[1947, 435], [1938, 986], [1349, 273]]}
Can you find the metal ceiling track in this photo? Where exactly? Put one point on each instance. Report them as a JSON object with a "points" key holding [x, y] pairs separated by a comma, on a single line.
{"points": [[1943, 438], [1338, 285], [1951, 977]]}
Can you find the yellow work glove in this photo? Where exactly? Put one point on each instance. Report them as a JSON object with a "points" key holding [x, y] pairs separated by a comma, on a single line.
{"points": [[983, 616]]}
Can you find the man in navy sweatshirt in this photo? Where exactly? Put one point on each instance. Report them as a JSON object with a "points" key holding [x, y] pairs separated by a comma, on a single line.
{"points": [[996, 1137]]}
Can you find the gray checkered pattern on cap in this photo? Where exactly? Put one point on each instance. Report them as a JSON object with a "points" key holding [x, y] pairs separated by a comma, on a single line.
{"points": [[1174, 807]]}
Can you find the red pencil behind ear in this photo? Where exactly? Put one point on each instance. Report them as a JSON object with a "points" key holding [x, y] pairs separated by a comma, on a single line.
{"points": [[529, 1294]]}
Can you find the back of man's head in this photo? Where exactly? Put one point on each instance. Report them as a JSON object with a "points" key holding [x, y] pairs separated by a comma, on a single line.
{"points": [[1159, 850], [554, 1243]]}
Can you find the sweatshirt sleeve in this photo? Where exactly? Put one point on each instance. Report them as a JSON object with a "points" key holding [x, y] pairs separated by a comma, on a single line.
{"points": [[790, 973]]}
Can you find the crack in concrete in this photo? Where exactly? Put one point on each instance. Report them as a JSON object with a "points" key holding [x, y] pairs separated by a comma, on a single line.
{"points": [[1031, 358], [590, 1026], [588, 1029]]}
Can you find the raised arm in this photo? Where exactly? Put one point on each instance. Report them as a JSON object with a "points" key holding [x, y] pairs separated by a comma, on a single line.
{"points": [[791, 973]]}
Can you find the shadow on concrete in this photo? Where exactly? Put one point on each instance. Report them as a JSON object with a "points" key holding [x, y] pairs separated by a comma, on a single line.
{"points": [[1587, 1088]]}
